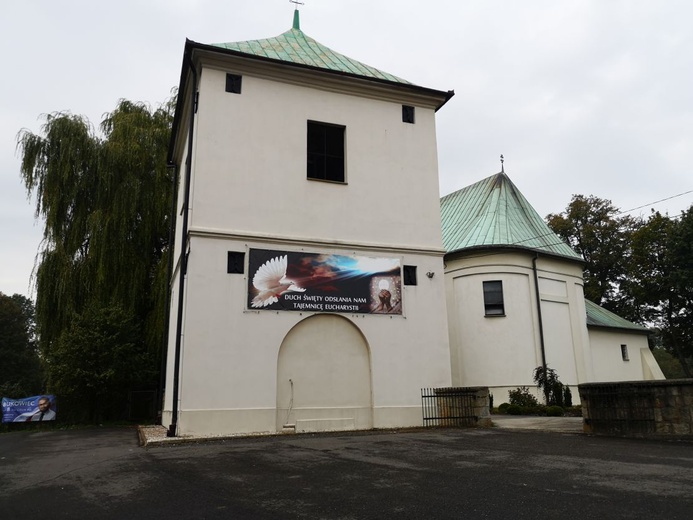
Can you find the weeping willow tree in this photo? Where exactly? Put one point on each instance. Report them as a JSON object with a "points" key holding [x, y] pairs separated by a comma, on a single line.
{"points": [[105, 199]]}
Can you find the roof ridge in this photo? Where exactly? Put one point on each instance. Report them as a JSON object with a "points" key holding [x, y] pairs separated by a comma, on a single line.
{"points": [[295, 46]]}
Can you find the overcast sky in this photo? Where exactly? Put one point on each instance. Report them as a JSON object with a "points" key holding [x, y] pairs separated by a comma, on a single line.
{"points": [[581, 96]]}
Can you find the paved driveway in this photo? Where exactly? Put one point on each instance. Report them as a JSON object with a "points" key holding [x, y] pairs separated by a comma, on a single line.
{"points": [[482, 473]]}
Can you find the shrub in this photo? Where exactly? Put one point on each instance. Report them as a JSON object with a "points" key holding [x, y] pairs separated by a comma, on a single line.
{"points": [[521, 396], [567, 397], [547, 381], [554, 411], [503, 408], [514, 409]]}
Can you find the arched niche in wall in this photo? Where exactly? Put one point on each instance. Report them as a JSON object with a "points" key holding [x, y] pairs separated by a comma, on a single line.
{"points": [[324, 376]]}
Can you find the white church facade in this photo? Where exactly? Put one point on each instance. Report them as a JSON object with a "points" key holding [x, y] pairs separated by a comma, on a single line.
{"points": [[310, 275], [308, 217]]}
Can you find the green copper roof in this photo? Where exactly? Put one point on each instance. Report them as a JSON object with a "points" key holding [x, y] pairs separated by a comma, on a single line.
{"points": [[294, 46], [494, 213], [599, 317]]}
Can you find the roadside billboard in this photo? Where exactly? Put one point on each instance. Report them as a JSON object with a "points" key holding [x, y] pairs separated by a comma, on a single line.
{"points": [[38, 408]]}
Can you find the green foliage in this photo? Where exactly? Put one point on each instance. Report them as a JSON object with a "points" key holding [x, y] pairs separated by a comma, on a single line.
{"points": [[671, 367], [547, 381], [554, 411], [522, 397], [96, 361], [20, 367], [567, 397], [592, 227], [106, 202], [514, 409], [503, 408]]}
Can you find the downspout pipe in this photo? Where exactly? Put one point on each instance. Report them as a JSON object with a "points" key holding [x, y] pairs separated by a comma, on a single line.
{"points": [[169, 274], [183, 252], [541, 321]]}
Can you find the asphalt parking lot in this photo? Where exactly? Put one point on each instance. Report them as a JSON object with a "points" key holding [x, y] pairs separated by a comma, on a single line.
{"points": [[451, 473]]}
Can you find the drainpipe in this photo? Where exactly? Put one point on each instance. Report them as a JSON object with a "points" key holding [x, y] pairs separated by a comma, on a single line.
{"points": [[169, 274], [541, 321], [183, 253]]}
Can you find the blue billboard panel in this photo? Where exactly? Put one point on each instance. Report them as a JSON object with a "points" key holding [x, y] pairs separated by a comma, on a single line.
{"points": [[38, 408]]}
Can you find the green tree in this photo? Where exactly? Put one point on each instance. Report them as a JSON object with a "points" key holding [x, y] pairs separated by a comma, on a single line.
{"points": [[670, 365], [547, 381], [646, 284], [592, 227], [96, 361], [106, 201], [678, 334], [20, 367]]}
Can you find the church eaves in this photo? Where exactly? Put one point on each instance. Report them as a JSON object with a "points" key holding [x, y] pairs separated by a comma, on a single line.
{"points": [[493, 213], [295, 47], [600, 317]]}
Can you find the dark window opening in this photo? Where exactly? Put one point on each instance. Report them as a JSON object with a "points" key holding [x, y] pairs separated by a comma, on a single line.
{"points": [[409, 274], [235, 262], [407, 114], [233, 83], [624, 352], [325, 152], [493, 298]]}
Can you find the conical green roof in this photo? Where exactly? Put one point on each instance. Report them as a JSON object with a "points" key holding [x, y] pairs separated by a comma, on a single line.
{"points": [[295, 47], [493, 213]]}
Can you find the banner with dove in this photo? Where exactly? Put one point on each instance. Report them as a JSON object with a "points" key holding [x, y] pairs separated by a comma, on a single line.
{"points": [[314, 282]]}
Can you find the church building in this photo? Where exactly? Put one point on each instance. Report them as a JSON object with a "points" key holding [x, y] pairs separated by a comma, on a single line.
{"points": [[515, 300], [313, 288], [308, 281]]}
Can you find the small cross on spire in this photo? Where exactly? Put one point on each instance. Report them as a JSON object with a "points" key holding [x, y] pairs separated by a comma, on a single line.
{"points": [[297, 22], [502, 161]]}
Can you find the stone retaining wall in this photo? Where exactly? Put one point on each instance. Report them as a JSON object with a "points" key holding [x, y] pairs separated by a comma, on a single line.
{"points": [[638, 408]]}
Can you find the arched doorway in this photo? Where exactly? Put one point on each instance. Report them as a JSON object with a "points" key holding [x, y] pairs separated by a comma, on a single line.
{"points": [[324, 376]]}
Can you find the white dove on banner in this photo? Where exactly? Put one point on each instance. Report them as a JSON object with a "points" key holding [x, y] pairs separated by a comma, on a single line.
{"points": [[271, 281]]}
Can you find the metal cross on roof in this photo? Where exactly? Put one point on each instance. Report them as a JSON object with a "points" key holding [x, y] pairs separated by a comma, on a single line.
{"points": [[296, 2]]}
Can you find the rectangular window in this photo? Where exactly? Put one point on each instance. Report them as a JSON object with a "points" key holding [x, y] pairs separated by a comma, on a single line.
{"points": [[325, 152], [624, 352], [493, 298], [409, 274], [233, 83], [407, 114], [235, 262]]}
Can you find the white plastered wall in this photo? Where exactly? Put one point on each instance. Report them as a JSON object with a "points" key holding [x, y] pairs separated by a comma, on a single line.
{"points": [[502, 352], [230, 354], [609, 364], [251, 156], [249, 190]]}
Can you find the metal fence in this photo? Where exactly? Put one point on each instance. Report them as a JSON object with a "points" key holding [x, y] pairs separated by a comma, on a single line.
{"points": [[141, 405], [449, 406], [620, 408]]}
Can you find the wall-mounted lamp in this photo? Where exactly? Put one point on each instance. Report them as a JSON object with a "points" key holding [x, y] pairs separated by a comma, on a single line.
{"points": [[430, 274]]}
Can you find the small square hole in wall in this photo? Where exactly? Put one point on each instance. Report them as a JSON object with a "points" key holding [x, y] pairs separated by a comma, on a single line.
{"points": [[235, 262], [407, 114], [409, 274], [233, 83]]}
